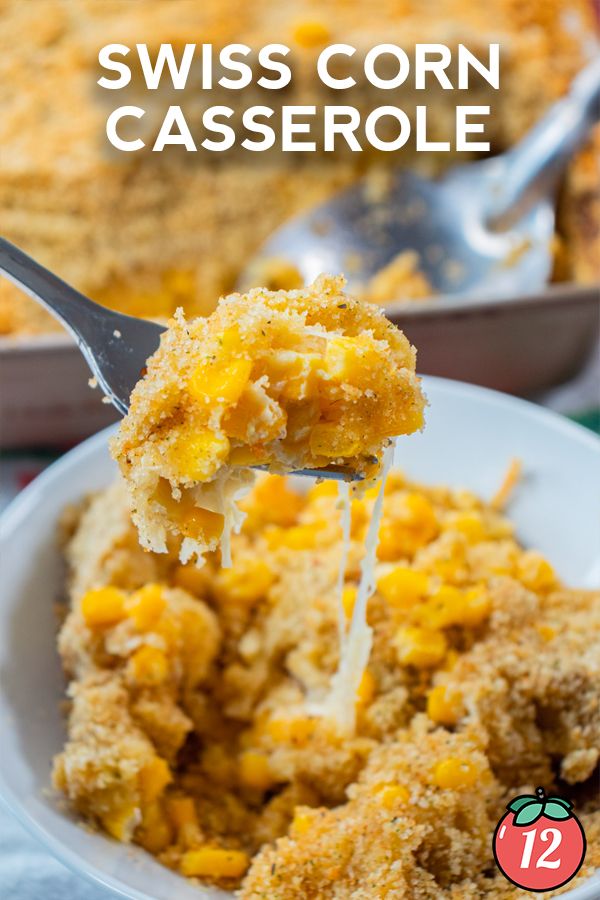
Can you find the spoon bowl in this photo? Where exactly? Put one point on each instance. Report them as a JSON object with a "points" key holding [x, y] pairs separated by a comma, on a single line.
{"points": [[484, 230], [442, 221]]}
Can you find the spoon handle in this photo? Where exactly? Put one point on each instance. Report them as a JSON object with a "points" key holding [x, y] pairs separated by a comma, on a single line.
{"points": [[75, 311], [114, 345], [530, 171]]}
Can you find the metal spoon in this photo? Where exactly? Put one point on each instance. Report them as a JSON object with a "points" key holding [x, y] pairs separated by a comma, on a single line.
{"points": [[484, 229], [116, 346]]}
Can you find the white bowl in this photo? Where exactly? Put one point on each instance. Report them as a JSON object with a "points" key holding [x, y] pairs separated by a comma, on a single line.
{"points": [[471, 435]]}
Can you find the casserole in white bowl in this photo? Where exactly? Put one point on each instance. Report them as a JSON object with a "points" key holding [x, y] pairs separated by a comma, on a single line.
{"points": [[471, 434]]}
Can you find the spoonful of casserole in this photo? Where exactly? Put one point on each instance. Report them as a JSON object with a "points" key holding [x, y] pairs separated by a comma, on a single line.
{"points": [[308, 381]]}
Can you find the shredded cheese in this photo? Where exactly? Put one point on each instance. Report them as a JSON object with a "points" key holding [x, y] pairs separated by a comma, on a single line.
{"points": [[509, 483]]}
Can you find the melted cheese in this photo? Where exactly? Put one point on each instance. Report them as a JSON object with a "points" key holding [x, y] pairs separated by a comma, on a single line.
{"points": [[221, 496], [346, 521], [355, 647]]}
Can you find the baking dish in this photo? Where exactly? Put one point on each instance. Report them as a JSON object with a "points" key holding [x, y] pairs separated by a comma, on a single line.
{"points": [[519, 345]]}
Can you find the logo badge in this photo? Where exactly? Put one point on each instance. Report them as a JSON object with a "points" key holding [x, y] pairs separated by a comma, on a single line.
{"points": [[539, 843]]}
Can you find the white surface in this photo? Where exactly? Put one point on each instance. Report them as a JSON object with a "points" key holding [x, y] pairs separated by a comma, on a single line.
{"points": [[470, 437]]}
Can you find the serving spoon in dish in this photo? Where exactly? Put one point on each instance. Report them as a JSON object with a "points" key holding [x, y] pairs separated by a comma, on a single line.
{"points": [[115, 346], [484, 229]]}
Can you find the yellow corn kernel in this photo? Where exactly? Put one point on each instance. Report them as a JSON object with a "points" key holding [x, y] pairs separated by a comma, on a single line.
{"points": [[169, 628], [214, 862], [202, 524], [148, 666], [359, 516], [546, 632], [293, 376], [311, 33], [103, 607], [449, 569], [231, 341], [246, 581], [535, 572], [221, 381], [181, 812], [349, 599], [291, 731], [298, 537], [366, 688], [420, 647], [154, 833], [404, 534], [328, 439], [373, 492], [146, 606], [389, 547], [468, 523], [302, 822], [192, 579], [120, 823], [248, 456], [444, 706], [277, 501], [444, 608], [153, 779], [392, 795], [255, 771], [477, 607], [198, 454], [403, 587], [182, 816], [351, 359], [327, 488], [453, 773], [422, 512]]}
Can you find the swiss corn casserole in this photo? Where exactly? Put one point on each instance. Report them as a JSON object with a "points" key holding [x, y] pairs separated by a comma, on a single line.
{"points": [[191, 730]]}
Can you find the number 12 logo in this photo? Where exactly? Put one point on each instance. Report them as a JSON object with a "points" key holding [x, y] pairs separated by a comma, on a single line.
{"points": [[539, 843]]}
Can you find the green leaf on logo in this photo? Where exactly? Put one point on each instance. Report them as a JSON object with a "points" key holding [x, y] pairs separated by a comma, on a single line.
{"points": [[529, 812], [555, 810], [566, 803], [516, 804]]}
